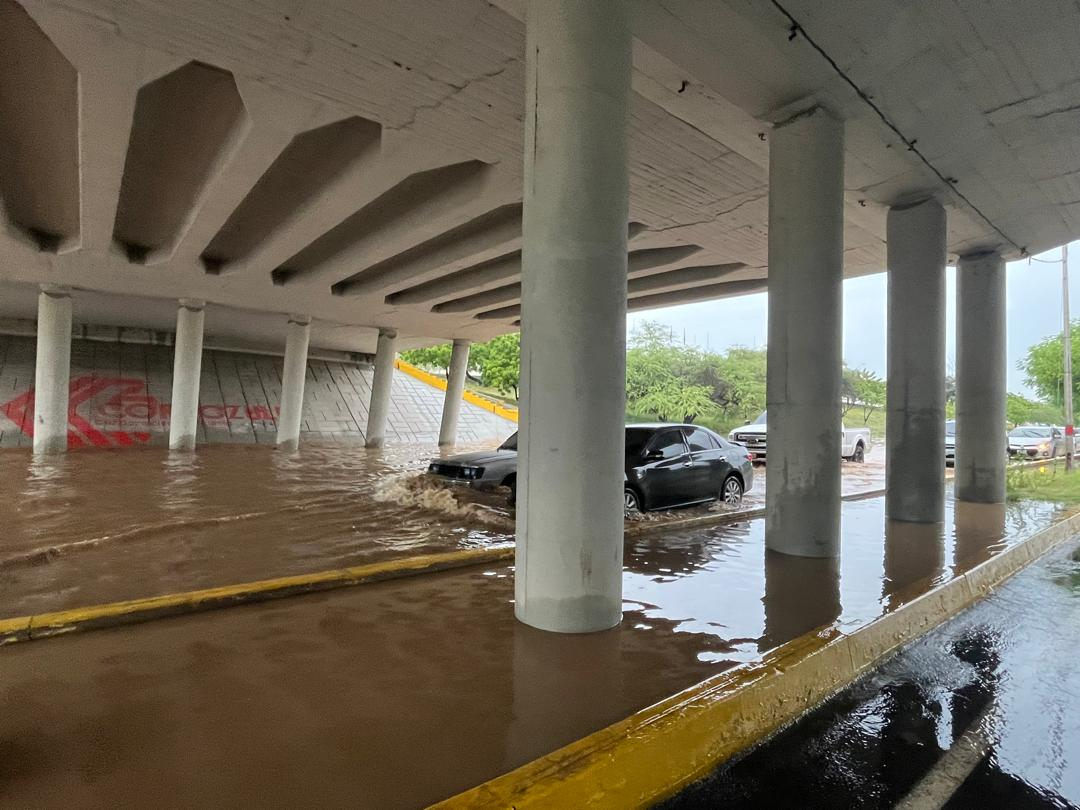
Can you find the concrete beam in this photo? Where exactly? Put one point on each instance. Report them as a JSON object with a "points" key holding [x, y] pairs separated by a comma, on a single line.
{"points": [[643, 284], [644, 300], [422, 206], [649, 261], [273, 124], [489, 237], [363, 181]]}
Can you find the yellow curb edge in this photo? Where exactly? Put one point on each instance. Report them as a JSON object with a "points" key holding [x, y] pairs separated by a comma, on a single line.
{"points": [[473, 399], [24, 628]]}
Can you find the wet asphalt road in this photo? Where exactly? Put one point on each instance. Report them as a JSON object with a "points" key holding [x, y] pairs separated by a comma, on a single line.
{"points": [[984, 712]]}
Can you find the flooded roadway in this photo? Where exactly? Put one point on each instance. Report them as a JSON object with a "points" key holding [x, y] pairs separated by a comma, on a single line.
{"points": [[106, 525], [401, 693]]}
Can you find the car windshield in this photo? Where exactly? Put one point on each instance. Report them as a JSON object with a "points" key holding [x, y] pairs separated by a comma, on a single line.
{"points": [[760, 420], [950, 428], [635, 441], [509, 444], [1030, 433]]}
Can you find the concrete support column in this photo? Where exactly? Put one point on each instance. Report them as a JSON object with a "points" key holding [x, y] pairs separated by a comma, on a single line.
{"points": [[915, 427], [573, 348], [379, 408], [806, 264], [52, 372], [292, 382], [980, 379], [187, 370], [455, 387]]}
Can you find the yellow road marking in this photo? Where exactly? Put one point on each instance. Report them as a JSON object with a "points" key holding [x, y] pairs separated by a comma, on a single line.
{"points": [[63, 621], [473, 399]]}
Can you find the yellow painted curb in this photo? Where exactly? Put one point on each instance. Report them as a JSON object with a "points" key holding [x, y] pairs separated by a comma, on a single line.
{"points": [[660, 750], [473, 399], [25, 628]]}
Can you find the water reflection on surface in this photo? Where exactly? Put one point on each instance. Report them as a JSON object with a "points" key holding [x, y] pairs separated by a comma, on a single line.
{"points": [[721, 581]]}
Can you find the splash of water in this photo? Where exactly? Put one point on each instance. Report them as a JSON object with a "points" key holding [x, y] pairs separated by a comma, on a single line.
{"points": [[423, 492]]}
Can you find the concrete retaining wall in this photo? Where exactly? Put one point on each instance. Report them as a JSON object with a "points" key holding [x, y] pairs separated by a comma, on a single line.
{"points": [[120, 394]]}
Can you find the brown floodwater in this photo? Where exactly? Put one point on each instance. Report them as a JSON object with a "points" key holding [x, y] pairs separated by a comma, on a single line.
{"points": [[401, 693], [102, 525], [98, 526]]}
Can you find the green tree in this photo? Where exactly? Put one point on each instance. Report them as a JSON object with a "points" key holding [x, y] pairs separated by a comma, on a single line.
{"points": [[1020, 410], [1044, 367], [863, 389], [668, 380], [432, 357], [677, 401], [499, 361]]}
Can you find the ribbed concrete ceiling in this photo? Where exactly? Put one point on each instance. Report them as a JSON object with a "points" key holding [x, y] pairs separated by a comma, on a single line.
{"points": [[360, 160]]}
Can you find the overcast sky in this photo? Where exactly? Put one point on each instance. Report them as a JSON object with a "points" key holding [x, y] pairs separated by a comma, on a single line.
{"points": [[1034, 312]]}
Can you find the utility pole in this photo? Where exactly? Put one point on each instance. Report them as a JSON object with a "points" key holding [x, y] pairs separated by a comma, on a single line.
{"points": [[1067, 335]]}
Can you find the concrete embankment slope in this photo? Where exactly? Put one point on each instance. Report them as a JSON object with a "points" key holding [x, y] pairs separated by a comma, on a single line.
{"points": [[120, 394]]}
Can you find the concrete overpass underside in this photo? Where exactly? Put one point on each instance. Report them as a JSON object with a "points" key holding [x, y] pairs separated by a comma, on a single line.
{"points": [[360, 162]]}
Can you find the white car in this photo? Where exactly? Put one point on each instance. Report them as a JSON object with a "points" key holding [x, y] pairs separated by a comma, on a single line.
{"points": [[854, 444]]}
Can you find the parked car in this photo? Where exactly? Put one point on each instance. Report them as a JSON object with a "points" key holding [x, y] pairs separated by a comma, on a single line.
{"points": [[1036, 441], [950, 443], [854, 444], [667, 465]]}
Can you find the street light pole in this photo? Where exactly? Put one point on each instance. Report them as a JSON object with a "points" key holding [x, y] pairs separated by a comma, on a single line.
{"points": [[1067, 339]]}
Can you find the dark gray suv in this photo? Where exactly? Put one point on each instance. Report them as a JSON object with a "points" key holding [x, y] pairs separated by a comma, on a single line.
{"points": [[667, 465]]}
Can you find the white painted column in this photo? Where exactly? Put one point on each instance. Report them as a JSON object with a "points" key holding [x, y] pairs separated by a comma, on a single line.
{"points": [[187, 370], [806, 265], [915, 427], [292, 382], [52, 373], [381, 385], [980, 378], [573, 378], [455, 387]]}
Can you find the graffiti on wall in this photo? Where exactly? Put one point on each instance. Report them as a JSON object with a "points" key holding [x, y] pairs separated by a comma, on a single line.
{"points": [[119, 411]]}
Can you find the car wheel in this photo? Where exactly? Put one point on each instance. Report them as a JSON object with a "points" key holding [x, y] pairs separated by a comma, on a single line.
{"points": [[511, 481], [631, 502], [859, 456], [732, 491]]}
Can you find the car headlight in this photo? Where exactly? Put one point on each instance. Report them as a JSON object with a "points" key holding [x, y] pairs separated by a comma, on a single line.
{"points": [[472, 473], [1044, 446]]}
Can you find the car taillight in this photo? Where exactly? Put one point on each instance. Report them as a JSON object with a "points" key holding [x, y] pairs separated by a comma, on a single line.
{"points": [[749, 456]]}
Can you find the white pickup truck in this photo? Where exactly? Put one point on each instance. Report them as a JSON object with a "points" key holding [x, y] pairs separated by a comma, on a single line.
{"points": [[854, 445]]}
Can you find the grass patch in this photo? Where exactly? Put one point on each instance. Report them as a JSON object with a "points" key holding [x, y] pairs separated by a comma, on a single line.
{"points": [[1046, 483]]}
